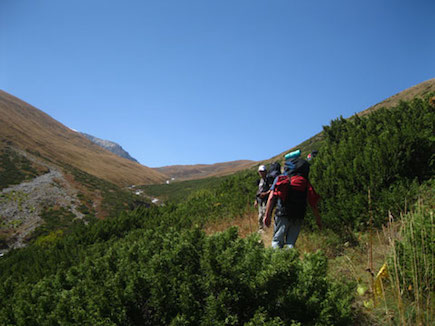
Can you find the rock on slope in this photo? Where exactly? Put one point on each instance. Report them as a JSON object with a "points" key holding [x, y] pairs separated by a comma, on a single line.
{"points": [[110, 146]]}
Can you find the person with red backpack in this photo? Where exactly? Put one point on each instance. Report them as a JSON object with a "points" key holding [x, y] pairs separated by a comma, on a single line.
{"points": [[290, 193]]}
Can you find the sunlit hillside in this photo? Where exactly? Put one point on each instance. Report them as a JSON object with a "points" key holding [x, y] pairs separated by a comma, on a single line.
{"points": [[29, 129]]}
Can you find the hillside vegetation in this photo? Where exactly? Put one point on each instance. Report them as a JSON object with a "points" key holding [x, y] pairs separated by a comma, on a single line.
{"points": [[180, 190], [389, 153], [15, 168], [150, 267], [156, 266]]}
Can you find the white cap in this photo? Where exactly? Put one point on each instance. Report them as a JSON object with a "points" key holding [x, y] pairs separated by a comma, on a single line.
{"points": [[262, 168]]}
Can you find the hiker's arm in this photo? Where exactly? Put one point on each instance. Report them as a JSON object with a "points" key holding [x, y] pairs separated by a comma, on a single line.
{"points": [[264, 194], [317, 215], [269, 207]]}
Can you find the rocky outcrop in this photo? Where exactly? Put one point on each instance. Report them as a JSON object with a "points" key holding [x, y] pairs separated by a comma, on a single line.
{"points": [[110, 146]]}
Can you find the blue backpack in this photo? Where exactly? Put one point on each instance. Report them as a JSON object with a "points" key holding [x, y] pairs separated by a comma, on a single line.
{"points": [[273, 172]]}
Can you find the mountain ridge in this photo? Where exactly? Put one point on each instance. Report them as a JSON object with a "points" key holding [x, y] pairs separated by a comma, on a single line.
{"points": [[33, 130], [115, 148]]}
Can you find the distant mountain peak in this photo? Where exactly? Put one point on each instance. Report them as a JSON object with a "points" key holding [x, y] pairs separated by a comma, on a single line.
{"points": [[110, 146]]}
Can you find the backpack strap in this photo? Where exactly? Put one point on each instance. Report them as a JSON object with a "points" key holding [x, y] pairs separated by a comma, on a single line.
{"points": [[299, 183], [282, 186], [313, 196]]}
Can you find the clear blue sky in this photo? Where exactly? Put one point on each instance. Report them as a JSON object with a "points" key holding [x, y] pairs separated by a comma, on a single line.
{"points": [[185, 82]]}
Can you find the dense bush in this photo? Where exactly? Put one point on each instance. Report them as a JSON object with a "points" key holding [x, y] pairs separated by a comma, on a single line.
{"points": [[144, 267], [389, 152], [227, 199], [182, 278]]}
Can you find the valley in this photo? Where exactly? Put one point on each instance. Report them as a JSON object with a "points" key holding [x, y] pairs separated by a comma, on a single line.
{"points": [[82, 247]]}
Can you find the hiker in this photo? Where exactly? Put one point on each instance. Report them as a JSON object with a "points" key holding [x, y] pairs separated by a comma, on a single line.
{"points": [[290, 193], [312, 155], [262, 195], [266, 180]]}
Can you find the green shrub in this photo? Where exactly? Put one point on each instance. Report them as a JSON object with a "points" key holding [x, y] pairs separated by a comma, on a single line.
{"points": [[183, 278], [389, 152]]}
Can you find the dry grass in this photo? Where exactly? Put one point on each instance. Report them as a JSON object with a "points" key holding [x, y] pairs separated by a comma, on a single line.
{"points": [[246, 224]]}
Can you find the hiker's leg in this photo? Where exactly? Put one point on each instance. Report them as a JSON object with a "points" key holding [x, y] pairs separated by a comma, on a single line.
{"points": [[279, 232], [294, 227], [261, 213]]}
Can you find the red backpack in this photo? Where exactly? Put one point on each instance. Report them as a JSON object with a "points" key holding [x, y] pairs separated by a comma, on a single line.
{"points": [[292, 193]]}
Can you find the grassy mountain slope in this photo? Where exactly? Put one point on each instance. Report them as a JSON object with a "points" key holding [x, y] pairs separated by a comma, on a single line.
{"points": [[30, 129], [198, 171]]}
